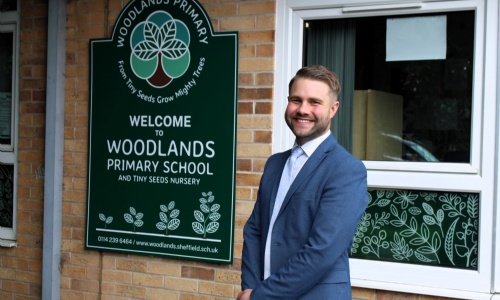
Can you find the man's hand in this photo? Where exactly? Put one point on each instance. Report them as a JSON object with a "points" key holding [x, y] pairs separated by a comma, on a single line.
{"points": [[244, 295]]}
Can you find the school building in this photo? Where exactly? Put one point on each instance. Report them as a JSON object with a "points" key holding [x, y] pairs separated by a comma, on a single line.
{"points": [[419, 106]]}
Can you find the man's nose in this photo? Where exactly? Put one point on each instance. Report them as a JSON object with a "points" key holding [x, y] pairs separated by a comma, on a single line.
{"points": [[303, 108]]}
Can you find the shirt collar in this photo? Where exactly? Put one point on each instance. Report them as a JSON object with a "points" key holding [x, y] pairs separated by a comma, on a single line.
{"points": [[311, 146]]}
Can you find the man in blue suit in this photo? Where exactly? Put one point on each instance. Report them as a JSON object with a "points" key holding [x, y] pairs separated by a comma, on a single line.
{"points": [[297, 238]]}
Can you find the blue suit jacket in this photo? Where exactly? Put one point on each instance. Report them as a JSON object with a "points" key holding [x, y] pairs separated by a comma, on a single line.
{"points": [[314, 228]]}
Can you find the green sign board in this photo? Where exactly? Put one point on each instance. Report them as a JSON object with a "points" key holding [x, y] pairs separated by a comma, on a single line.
{"points": [[162, 134]]}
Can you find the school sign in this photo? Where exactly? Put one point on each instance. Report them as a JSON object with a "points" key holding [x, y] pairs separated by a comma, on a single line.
{"points": [[162, 134]]}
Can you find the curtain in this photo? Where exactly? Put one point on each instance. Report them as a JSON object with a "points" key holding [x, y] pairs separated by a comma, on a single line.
{"points": [[332, 43]]}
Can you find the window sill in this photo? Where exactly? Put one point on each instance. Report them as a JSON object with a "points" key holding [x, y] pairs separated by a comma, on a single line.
{"points": [[8, 243]]}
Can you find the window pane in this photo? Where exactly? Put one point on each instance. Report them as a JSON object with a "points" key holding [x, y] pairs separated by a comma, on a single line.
{"points": [[6, 44], [6, 195], [422, 227], [6, 5], [411, 110]]}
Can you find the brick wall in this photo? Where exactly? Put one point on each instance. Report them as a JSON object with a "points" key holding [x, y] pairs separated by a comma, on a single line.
{"points": [[105, 275], [21, 266]]}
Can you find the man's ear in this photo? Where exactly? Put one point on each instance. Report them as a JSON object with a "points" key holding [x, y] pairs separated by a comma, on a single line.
{"points": [[334, 108]]}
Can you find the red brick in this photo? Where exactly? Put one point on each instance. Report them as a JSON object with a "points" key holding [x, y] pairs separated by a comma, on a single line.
{"points": [[263, 136], [245, 107], [263, 108], [245, 179], [254, 93], [244, 165], [198, 273], [266, 79]]}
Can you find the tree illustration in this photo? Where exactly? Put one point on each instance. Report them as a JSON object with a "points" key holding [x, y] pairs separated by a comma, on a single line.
{"points": [[106, 220], [160, 49], [208, 213], [168, 217], [134, 218]]}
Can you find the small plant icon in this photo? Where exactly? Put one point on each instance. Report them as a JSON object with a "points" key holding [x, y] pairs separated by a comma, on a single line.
{"points": [[209, 211], [107, 220], [168, 217], [134, 218]]}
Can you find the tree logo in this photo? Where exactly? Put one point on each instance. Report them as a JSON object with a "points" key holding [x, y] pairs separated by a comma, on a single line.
{"points": [[160, 49]]}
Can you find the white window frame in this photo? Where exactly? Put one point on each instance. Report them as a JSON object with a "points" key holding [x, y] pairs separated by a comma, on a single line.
{"points": [[9, 22], [478, 176]]}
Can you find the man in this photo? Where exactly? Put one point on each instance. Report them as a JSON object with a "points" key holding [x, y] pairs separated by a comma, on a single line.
{"points": [[296, 245]]}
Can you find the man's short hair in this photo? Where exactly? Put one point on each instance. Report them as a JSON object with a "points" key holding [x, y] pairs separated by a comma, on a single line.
{"points": [[320, 73]]}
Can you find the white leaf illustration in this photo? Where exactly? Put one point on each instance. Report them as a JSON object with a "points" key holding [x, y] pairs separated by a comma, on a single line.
{"points": [[167, 33], [144, 51], [151, 33], [163, 217], [161, 226], [212, 227], [215, 208], [173, 224], [174, 214], [429, 220], [428, 209], [383, 202], [174, 49], [171, 205], [448, 242], [204, 208], [198, 215], [198, 228], [421, 257], [128, 218], [214, 216], [132, 211], [440, 215]]}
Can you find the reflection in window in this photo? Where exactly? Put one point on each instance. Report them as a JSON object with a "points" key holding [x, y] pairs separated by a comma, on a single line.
{"points": [[6, 43], [420, 227], [411, 110]]}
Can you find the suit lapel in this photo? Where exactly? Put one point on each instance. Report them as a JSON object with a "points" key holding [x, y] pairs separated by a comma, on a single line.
{"points": [[277, 178], [312, 164]]}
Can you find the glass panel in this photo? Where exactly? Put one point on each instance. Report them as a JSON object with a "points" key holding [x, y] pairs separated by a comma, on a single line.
{"points": [[412, 110], [6, 195], [6, 46], [421, 227], [6, 5]]}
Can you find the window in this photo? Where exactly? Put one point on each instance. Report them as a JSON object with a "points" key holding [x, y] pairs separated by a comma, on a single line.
{"points": [[431, 153], [8, 113], [403, 105]]}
